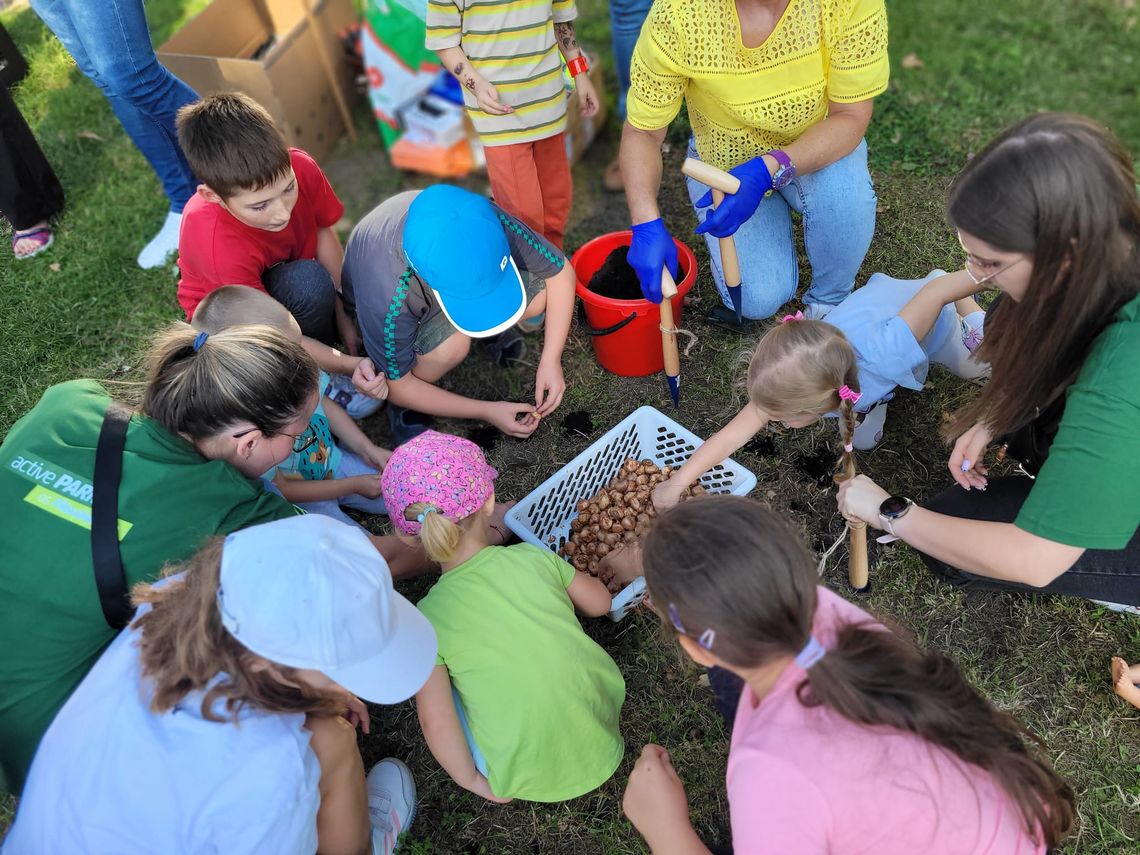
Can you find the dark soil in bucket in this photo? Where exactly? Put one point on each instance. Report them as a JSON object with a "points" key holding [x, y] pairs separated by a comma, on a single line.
{"points": [[615, 278]]}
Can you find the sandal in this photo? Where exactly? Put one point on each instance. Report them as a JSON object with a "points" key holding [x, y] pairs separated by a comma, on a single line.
{"points": [[41, 236]]}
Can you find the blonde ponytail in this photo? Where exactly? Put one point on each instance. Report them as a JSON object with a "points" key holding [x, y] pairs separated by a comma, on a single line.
{"points": [[439, 535]]}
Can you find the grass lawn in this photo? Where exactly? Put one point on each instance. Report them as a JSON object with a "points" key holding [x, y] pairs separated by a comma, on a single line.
{"points": [[84, 308]]}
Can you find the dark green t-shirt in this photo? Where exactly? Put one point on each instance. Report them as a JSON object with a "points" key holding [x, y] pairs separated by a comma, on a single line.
{"points": [[51, 625], [1088, 491]]}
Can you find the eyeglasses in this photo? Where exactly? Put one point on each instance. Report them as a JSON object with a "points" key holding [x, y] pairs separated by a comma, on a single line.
{"points": [[301, 441], [981, 279], [979, 273]]}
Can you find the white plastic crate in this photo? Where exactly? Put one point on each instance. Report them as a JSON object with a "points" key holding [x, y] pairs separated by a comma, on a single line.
{"points": [[543, 517]]}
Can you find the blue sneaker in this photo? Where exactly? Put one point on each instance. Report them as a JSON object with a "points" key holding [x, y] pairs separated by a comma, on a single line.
{"points": [[356, 403], [406, 424]]}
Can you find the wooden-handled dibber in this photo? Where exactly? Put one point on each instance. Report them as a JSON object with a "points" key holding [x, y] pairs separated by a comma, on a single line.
{"points": [[857, 573], [721, 183], [857, 567], [669, 337]]}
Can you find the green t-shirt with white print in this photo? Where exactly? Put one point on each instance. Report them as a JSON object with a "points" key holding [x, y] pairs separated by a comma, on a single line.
{"points": [[171, 499]]}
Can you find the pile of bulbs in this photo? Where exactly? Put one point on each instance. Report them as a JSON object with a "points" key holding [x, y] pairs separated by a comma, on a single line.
{"points": [[619, 514]]}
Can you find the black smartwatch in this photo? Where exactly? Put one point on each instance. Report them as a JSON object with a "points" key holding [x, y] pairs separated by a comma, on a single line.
{"points": [[894, 508]]}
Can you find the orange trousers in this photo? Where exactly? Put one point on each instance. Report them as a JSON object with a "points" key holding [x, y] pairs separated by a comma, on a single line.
{"points": [[531, 181]]}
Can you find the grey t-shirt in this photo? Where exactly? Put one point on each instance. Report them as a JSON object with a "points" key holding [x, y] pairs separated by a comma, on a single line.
{"points": [[391, 301]]}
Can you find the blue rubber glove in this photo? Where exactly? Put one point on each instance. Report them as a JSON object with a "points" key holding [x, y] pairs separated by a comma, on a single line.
{"points": [[731, 214], [651, 250]]}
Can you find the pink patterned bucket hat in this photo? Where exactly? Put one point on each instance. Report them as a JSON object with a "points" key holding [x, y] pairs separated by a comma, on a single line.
{"points": [[448, 472]]}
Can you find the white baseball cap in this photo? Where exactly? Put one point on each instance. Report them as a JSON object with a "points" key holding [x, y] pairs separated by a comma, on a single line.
{"points": [[312, 592]]}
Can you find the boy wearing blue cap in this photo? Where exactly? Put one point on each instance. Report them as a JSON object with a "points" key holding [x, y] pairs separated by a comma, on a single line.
{"points": [[427, 271]]}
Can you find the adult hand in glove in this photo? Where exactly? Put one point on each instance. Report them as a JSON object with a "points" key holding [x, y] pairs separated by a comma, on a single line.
{"points": [[736, 208], [651, 250]]}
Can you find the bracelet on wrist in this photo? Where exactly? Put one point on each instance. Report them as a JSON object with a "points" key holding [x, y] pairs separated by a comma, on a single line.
{"points": [[578, 65]]}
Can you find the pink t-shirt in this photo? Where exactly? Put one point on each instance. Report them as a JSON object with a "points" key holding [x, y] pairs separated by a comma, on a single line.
{"points": [[809, 781]]}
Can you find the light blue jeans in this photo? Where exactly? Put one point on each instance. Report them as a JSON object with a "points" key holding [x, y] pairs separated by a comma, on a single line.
{"points": [[626, 18], [349, 466], [110, 43], [838, 208]]}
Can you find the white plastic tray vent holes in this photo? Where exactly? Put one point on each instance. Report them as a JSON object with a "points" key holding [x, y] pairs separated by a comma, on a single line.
{"points": [[543, 517]]}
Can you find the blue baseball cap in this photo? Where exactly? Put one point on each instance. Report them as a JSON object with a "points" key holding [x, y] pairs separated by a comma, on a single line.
{"points": [[455, 242]]}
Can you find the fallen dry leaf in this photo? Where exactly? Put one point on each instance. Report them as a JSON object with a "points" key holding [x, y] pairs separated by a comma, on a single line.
{"points": [[912, 62], [89, 135], [54, 267]]}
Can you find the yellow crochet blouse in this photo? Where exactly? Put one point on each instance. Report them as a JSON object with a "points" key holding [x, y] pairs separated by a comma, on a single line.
{"points": [[744, 101]]}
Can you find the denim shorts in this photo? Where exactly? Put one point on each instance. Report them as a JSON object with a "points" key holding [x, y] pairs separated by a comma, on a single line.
{"points": [[437, 329]]}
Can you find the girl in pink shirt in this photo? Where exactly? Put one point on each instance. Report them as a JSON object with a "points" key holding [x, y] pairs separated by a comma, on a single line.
{"points": [[847, 738]]}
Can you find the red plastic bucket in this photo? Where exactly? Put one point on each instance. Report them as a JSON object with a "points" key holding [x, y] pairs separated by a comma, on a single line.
{"points": [[626, 334]]}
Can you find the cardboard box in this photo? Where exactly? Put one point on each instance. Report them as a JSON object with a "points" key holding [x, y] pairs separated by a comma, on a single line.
{"points": [[580, 132], [267, 50]]}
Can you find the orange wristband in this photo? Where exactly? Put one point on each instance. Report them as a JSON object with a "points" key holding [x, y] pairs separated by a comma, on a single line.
{"points": [[577, 65]]}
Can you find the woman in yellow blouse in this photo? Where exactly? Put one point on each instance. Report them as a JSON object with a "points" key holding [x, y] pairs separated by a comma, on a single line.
{"points": [[779, 93]]}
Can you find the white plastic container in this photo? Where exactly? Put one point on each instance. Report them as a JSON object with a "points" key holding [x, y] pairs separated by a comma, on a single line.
{"points": [[543, 517]]}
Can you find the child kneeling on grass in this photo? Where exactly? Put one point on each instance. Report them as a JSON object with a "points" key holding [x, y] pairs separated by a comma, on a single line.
{"points": [[318, 476], [847, 737], [222, 719], [264, 218], [886, 334], [521, 703]]}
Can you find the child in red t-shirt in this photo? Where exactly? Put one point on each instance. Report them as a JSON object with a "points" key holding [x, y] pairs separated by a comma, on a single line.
{"points": [[263, 217]]}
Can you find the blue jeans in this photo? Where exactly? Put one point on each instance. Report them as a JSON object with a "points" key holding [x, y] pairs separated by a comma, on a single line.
{"points": [[306, 289], [838, 208], [350, 465], [626, 18], [110, 43]]}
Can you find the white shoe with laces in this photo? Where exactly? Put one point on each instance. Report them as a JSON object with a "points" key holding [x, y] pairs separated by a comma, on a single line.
{"points": [[391, 803]]}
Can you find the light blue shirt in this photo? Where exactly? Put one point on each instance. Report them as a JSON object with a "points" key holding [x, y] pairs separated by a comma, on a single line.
{"points": [[112, 776], [885, 348]]}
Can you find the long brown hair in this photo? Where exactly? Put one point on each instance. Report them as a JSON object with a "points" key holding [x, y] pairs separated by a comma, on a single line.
{"points": [[252, 374], [184, 647], [798, 368], [1060, 189], [760, 598]]}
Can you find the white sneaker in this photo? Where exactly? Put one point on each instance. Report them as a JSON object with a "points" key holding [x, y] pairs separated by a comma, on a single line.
{"points": [[869, 431], [817, 311], [162, 244], [1119, 607], [391, 804], [356, 403]]}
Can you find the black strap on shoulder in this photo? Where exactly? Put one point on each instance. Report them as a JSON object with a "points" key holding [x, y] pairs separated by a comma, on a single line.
{"points": [[108, 563]]}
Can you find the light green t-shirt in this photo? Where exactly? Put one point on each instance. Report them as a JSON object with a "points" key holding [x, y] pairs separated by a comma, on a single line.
{"points": [[51, 625], [542, 698], [1088, 492]]}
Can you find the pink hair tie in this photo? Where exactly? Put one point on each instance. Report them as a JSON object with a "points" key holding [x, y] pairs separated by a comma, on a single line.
{"points": [[798, 316], [848, 447], [846, 393]]}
